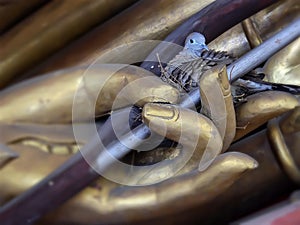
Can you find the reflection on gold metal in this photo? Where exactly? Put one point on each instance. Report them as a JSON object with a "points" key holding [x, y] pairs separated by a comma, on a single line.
{"points": [[93, 202], [103, 201], [217, 103], [50, 138], [146, 20], [282, 151], [52, 148], [260, 108], [291, 122], [48, 30], [233, 41], [156, 155], [272, 19], [289, 125], [58, 133], [49, 99], [251, 33], [284, 66], [12, 11], [31, 166], [194, 131], [6, 155], [264, 24]]}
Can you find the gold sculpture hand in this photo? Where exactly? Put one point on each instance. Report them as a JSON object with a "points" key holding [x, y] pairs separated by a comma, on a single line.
{"points": [[17, 179], [37, 116]]}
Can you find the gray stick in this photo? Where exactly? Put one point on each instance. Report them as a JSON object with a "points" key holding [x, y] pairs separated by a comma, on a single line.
{"points": [[261, 53]]}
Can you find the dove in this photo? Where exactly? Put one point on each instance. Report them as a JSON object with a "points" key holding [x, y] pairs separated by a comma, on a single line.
{"points": [[185, 69]]}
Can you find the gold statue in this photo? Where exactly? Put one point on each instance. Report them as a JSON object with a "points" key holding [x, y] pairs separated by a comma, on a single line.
{"points": [[36, 129]]}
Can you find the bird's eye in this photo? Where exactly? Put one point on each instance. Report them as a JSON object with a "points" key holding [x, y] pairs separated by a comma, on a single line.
{"points": [[191, 41]]}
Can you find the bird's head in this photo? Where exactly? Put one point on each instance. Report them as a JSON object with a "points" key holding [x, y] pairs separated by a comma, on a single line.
{"points": [[195, 41]]}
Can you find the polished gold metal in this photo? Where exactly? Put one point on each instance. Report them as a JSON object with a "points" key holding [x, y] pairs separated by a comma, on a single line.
{"points": [[49, 99], [251, 33], [50, 138], [233, 41], [33, 164], [146, 20], [102, 200], [272, 19], [12, 11], [290, 123], [260, 108], [264, 24], [284, 66], [194, 131], [52, 148], [48, 30], [217, 103], [6, 155], [282, 151]]}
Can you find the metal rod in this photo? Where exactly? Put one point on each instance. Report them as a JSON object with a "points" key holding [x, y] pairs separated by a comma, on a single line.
{"points": [[261, 53]]}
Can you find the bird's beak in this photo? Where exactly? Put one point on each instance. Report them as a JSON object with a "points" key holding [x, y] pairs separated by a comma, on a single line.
{"points": [[205, 47]]}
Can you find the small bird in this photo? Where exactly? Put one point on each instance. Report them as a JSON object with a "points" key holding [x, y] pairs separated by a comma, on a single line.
{"points": [[185, 69]]}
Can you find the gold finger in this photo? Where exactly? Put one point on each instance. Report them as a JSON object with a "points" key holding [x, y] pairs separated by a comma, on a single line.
{"points": [[260, 108], [194, 131], [217, 104], [194, 189], [50, 99]]}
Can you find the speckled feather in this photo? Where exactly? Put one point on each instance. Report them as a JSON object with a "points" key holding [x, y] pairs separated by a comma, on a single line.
{"points": [[186, 68]]}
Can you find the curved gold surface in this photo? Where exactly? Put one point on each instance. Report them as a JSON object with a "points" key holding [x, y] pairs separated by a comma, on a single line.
{"points": [[103, 201], [109, 202], [217, 103], [49, 98], [146, 20], [282, 151], [50, 138], [263, 25], [6, 155], [12, 11], [195, 132], [260, 108], [291, 122], [48, 30], [30, 167], [269, 21], [233, 41], [284, 66], [251, 33]]}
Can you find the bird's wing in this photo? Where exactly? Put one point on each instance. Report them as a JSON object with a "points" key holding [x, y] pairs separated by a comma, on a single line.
{"points": [[186, 68], [217, 56], [195, 67]]}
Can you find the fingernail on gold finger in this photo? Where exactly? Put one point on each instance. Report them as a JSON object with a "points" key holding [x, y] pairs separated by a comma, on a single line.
{"points": [[166, 112]]}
